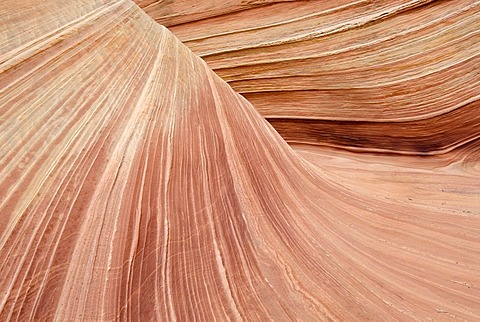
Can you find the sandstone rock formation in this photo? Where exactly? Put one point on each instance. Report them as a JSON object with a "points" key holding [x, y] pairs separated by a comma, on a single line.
{"points": [[343, 73], [135, 184]]}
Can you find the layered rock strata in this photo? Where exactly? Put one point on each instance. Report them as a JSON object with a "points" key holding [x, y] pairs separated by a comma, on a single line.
{"points": [[353, 74], [135, 184]]}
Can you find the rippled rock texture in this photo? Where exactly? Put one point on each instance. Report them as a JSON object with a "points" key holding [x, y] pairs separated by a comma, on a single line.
{"points": [[344, 73], [135, 184]]}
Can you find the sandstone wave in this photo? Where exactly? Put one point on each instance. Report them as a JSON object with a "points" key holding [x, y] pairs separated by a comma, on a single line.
{"points": [[325, 71], [137, 185]]}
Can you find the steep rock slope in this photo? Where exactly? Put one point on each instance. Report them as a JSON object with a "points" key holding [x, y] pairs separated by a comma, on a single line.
{"points": [[136, 185], [398, 76]]}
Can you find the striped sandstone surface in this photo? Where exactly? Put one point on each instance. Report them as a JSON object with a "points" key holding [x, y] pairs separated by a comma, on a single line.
{"points": [[135, 184], [343, 72]]}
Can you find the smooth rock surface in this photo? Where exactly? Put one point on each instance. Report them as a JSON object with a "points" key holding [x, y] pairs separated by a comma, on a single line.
{"points": [[135, 184], [345, 72]]}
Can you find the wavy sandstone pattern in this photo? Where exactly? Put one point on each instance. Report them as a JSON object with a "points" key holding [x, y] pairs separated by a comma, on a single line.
{"points": [[137, 185], [323, 71]]}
